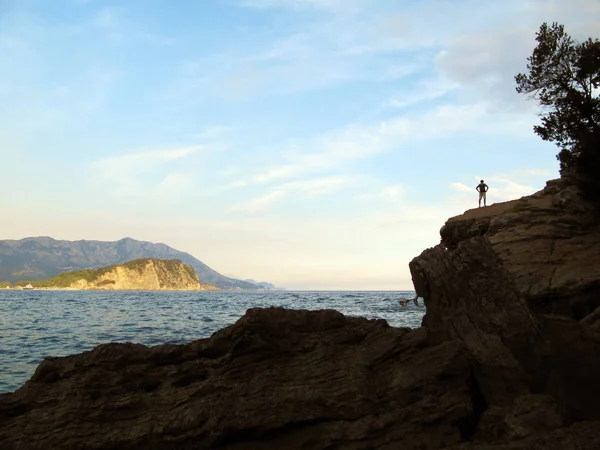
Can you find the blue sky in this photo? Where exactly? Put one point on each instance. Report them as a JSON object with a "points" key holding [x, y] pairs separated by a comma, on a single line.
{"points": [[314, 144]]}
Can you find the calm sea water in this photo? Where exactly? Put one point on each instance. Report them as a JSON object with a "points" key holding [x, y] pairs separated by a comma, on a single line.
{"points": [[36, 324]]}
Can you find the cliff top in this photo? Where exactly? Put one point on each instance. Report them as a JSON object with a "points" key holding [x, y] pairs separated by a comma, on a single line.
{"points": [[559, 197], [538, 200], [549, 241]]}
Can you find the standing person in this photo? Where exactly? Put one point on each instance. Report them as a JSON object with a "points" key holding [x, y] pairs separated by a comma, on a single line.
{"points": [[482, 188]]}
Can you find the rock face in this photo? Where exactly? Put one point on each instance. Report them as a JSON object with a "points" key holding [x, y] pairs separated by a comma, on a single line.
{"points": [[39, 258], [485, 371], [549, 241], [141, 274], [276, 379], [543, 365]]}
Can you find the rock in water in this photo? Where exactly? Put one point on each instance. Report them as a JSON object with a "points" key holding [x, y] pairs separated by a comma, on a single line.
{"points": [[276, 379]]}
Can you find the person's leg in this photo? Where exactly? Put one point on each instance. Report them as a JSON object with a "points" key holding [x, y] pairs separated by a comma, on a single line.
{"points": [[484, 199]]}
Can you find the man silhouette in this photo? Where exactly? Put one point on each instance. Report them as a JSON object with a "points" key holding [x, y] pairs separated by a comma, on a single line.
{"points": [[482, 188]]}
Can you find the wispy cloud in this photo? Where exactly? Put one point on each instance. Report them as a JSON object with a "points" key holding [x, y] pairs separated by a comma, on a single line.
{"points": [[117, 26], [538, 172], [300, 4], [393, 193], [426, 91], [318, 52], [144, 172], [316, 187], [359, 142], [259, 204], [341, 118], [309, 188], [461, 187], [502, 187], [330, 151], [233, 185]]}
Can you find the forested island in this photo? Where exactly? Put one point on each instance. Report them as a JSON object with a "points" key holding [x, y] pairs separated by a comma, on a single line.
{"points": [[140, 274]]}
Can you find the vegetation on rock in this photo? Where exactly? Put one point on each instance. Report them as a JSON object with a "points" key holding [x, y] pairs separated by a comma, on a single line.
{"points": [[94, 276], [564, 77], [40, 258]]}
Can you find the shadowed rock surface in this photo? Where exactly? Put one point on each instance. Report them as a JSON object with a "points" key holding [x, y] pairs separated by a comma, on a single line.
{"points": [[485, 371], [276, 379], [544, 365]]}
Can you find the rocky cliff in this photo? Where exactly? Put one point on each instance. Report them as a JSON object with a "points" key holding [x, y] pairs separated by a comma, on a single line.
{"points": [[39, 258], [549, 241], [485, 371], [140, 274]]}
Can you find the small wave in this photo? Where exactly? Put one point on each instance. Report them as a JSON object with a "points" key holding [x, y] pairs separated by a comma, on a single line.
{"points": [[67, 322]]}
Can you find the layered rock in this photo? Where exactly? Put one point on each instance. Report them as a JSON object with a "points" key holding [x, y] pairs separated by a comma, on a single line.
{"points": [[549, 242], [485, 371], [276, 379], [543, 364]]}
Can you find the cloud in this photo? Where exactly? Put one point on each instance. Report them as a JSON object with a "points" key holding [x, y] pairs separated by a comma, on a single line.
{"points": [[507, 189], [316, 53], [211, 133], [315, 187], [260, 203], [144, 173], [330, 151], [484, 60], [539, 172], [117, 27], [487, 62], [461, 187], [345, 102], [337, 149], [299, 4], [307, 188], [233, 185], [502, 187], [175, 182], [392, 193], [426, 91]]}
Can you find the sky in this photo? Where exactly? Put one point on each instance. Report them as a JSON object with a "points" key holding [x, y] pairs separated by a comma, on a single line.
{"points": [[313, 144]]}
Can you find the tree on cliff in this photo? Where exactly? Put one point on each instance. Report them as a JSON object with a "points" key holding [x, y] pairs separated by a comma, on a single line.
{"points": [[564, 77]]}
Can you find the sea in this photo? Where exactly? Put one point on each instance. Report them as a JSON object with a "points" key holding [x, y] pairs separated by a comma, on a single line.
{"points": [[39, 323]]}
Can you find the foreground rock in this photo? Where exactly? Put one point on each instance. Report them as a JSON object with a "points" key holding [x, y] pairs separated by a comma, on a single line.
{"points": [[276, 379], [485, 371]]}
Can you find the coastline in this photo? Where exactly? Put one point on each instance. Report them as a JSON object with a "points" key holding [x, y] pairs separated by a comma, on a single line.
{"points": [[494, 365]]}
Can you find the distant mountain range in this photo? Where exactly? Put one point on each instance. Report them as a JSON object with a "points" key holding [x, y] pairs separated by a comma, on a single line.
{"points": [[39, 258]]}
